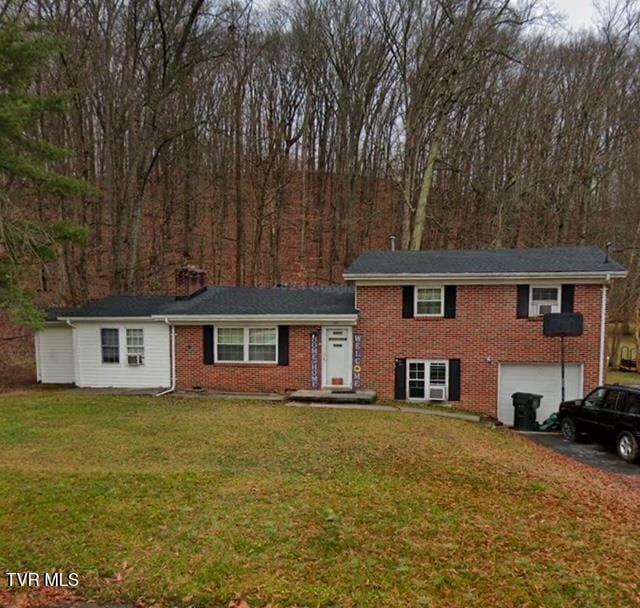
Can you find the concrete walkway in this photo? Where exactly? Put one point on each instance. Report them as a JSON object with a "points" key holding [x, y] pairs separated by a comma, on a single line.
{"points": [[362, 396], [278, 398], [386, 408]]}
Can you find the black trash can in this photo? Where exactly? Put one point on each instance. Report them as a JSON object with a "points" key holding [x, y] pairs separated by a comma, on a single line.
{"points": [[524, 414]]}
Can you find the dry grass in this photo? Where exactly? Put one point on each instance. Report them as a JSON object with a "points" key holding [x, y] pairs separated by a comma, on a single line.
{"points": [[194, 501]]}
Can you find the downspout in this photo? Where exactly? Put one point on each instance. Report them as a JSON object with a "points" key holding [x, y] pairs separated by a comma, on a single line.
{"points": [[36, 343], [603, 326], [172, 334], [75, 351]]}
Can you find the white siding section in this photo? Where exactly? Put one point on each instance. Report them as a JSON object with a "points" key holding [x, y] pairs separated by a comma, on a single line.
{"points": [[91, 372], [54, 355], [540, 379]]}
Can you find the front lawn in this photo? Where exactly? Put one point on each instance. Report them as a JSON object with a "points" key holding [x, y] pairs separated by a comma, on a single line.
{"points": [[194, 501]]}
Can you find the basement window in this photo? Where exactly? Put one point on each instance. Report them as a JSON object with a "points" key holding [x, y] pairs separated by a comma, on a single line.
{"points": [[544, 299], [246, 344], [428, 380]]}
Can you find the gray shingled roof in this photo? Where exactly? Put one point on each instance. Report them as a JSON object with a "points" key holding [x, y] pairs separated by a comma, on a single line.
{"points": [[120, 306], [484, 261], [268, 301], [216, 300]]}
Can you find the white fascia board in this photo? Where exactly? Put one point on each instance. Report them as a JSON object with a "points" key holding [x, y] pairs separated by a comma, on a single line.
{"points": [[484, 278], [147, 319], [276, 319]]}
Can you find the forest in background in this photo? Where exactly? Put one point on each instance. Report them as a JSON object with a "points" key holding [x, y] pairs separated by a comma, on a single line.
{"points": [[272, 142]]}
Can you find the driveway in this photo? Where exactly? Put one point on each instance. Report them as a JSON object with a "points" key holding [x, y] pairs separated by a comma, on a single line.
{"points": [[594, 454]]}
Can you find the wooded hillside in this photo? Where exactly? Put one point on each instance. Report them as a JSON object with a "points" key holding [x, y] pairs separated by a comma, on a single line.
{"points": [[272, 142]]}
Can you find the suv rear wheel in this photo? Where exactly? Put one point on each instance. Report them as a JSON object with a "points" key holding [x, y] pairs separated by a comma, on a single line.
{"points": [[568, 429], [627, 446]]}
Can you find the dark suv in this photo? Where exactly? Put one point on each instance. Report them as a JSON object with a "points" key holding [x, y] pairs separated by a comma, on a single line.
{"points": [[609, 413]]}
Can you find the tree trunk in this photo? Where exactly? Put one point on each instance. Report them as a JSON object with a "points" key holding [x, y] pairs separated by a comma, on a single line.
{"points": [[420, 220]]}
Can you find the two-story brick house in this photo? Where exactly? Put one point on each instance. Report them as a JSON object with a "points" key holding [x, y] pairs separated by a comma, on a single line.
{"points": [[460, 327]]}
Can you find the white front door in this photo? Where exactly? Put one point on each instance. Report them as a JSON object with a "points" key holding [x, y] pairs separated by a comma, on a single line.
{"points": [[336, 356]]}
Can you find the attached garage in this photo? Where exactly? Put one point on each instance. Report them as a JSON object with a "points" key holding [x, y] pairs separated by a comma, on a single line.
{"points": [[541, 379], [54, 355]]}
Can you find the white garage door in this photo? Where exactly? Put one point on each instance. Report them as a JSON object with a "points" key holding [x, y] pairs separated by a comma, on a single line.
{"points": [[55, 355], [539, 379]]}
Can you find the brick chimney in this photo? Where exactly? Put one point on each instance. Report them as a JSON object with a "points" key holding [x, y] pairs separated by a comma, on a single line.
{"points": [[189, 281]]}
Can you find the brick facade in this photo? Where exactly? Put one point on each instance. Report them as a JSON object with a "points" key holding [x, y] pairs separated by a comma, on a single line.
{"points": [[484, 333], [191, 372]]}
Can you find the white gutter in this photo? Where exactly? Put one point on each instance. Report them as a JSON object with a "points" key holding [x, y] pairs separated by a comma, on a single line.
{"points": [[110, 319], [172, 334], [197, 319], [74, 338], [200, 318], [483, 275], [603, 327], [36, 343]]}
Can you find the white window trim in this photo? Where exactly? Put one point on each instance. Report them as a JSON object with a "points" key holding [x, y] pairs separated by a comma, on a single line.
{"points": [[245, 344], [117, 363], [427, 379], [415, 300], [533, 313], [126, 345]]}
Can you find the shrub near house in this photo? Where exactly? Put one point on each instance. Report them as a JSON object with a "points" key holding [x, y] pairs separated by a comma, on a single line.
{"points": [[446, 326]]}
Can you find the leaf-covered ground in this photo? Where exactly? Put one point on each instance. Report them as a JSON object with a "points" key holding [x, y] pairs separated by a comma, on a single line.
{"points": [[194, 501]]}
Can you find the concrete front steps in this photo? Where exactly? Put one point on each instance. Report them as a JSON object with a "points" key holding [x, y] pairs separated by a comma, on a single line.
{"points": [[333, 396]]}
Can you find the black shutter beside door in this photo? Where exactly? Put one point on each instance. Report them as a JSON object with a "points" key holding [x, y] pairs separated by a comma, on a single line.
{"points": [[400, 389], [454, 379]]}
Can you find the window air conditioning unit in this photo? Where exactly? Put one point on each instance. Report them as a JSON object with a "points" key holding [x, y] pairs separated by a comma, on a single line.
{"points": [[544, 309], [135, 360], [437, 393]]}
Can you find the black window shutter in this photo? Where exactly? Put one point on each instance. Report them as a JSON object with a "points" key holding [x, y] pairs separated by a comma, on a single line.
{"points": [[523, 302], [400, 390], [450, 302], [207, 344], [454, 379], [283, 345], [568, 292], [407, 302]]}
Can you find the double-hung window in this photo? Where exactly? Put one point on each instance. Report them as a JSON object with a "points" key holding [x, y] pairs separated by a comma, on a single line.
{"points": [[544, 299], [262, 344], [428, 380], [135, 347], [110, 345], [247, 344], [230, 344], [429, 301]]}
